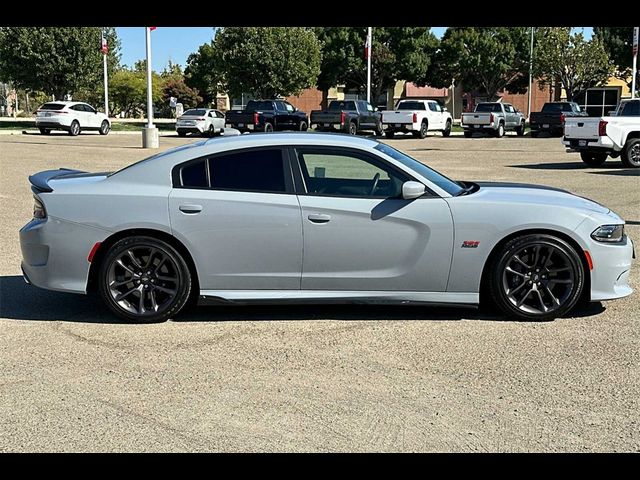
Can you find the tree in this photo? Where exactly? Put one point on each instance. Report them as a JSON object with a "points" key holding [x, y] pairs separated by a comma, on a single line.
{"points": [[266, 61], [174, 86], [203, 74], [128, 91], [55, 60], [618, 42], [577, 63], [486, 60], [399, 53]]}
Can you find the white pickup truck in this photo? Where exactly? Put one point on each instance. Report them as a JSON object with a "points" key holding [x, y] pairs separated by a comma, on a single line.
{"points": [[596, 138], [417, 117]]}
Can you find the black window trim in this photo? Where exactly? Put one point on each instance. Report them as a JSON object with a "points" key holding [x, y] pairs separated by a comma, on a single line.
{"points": [[176, 171], [301, 188]]}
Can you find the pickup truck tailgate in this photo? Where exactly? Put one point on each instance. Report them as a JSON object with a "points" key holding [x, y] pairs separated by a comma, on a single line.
{"points": [[325, 117], [397, 117], [584, 128], [476, 118]]}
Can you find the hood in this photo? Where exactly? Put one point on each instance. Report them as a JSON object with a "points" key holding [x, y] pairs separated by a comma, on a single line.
{"points": [[536, 194]]}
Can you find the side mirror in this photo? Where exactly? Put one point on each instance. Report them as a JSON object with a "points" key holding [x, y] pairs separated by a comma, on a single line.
{"points": [[444, 109], [411, 190]]}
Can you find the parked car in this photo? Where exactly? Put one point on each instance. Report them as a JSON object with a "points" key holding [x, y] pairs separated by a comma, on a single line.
{"points": [[597, 138], [311, 217], [203, 121], [348, 116], [267, 116], [494, 118], [416, 117], [73, 117], [552, 117]]}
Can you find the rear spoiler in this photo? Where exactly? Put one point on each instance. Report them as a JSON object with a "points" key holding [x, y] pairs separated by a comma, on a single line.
{"points": [[40, 180]]}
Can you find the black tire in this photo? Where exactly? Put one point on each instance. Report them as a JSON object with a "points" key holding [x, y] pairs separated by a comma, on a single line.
{"points": [[631, 153], [182, 134], [559, 276], [268, 127], [447, 129], [593, 159], [379, 131], [353, 128], [424, 128], [45, 131], [389, 134], [520, 130], [303, 126], [534, 133], [499, 133], [468, 134], [74, 129], [211, 131], [104, 127], [174, 264]]}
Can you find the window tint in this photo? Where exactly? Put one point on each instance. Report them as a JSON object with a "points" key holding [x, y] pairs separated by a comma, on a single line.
{"points": [[411, 106], [254, 170], [195, 112], [369, 107], [88, 108], [488, 107], [338, 105], [432, 107], [256, 105], [194, 175], [289, 107], [508, 108], [219, 114], [347, 174], [52, 106], [77, 108], [630, 109]]}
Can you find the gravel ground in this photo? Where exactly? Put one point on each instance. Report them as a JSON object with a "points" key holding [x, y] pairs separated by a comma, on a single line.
{"points": [[329, 378]]}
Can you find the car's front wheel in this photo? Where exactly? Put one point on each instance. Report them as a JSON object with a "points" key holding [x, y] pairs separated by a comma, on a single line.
{"points": [[144, 280], [447, 129], [104, 127], [536, 277]]}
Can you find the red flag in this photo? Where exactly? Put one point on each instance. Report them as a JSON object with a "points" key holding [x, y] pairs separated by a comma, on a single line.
{"points": [[104, 48], [151, 29]]}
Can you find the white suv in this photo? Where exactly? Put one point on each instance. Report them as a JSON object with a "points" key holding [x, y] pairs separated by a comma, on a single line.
{"points": [[72, 117]]}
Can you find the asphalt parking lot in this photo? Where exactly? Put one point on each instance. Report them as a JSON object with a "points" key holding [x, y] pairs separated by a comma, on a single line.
{"points": [[316, 378]]}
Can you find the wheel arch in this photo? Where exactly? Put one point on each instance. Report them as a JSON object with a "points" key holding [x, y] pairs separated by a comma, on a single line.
{"points": [[484, 278], [105, 245]]}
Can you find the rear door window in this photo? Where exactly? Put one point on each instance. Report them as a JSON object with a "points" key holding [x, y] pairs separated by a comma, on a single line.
{"points": [[250, 171]]}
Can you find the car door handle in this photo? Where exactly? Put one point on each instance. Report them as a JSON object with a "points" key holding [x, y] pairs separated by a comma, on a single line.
{"points": [[190, 209], [319, 217]]}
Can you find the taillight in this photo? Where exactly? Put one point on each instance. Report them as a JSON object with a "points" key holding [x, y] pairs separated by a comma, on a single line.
{"points": [[415, 117], [562, 118], [256, 118], [491, 118], [602, 128], [200, 119], [38, 208], [342, 118]]}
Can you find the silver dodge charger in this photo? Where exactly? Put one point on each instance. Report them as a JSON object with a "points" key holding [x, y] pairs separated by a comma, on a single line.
{"points": [[311, 218]]}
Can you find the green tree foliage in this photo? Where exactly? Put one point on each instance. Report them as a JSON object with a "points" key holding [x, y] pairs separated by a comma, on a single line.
{"points": [[398, 53], [174, 86], [577, 63], [202, 74], [128, 91], [55, 60], [618, 42], [485, 60], [266, 61]]}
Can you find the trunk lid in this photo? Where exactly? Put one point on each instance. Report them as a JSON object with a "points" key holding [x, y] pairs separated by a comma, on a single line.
{"points": [[397, 116], [583, 128], [45, 181], [481, 118]]}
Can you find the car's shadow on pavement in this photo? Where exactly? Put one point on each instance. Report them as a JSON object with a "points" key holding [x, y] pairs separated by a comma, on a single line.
{"points": [[19, 301], [577, 165]]}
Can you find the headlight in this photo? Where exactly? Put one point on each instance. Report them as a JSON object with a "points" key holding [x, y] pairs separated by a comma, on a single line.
{"points": [[38, 208], [608, 233]]}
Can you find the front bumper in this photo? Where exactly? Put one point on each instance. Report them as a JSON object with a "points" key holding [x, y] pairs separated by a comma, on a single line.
{"points": [[54, 253]]}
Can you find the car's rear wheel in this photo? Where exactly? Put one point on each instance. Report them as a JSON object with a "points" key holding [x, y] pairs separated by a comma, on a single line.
{"points": [[520, 130], [389, 134], [303, 126], [353, 128], [447, 129], [631, 153], [45, 131], [211, 131], [379, 131], [74, 129], [536, 277], [182, 134], [593, 159], [424, 128], [268, 127], [534, 134], [467, 134], [104, 128], [144, 280], [500, 131]]}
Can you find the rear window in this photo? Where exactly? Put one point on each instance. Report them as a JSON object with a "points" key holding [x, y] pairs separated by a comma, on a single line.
{"points": [[556, 107], [336, 105], [195, 112], [411, 106], [254, 105], [630, 109], [52, 106], [488, 107]]}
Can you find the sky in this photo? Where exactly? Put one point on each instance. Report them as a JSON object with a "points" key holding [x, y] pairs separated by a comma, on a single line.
{"points": [[176, 43]]}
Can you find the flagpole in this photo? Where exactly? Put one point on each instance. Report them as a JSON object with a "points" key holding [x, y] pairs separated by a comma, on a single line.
{"points": [[106, 81], [369, 64], [530, 75], [635, 61], [149, 132]]}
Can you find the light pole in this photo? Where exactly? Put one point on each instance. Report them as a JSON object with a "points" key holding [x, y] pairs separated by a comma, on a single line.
{"points": [[149, 132], [635, 61], [530, 76], [105, 49], [368, 53]]}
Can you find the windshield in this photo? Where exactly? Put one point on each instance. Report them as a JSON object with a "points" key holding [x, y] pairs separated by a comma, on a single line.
{"points": [[336, 105], [488, 107], [448, 185], [411, 106], [195, 112], [255, 105]]}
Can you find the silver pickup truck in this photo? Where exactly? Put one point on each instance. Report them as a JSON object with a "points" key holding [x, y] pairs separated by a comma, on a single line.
{"points": [[494, 118]]}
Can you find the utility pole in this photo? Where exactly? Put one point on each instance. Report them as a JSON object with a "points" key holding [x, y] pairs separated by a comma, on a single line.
{"points": [[367, 51], [530, 75], [149, 132], [105, 49], [635, 61]]}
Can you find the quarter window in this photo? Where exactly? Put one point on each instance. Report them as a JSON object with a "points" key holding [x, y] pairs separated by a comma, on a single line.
{"points": [[336, 173], [194, 175]]}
